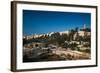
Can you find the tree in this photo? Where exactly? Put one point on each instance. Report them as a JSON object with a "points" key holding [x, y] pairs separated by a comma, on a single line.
{"points": [[65, 45], [77, 34], [71, 34], [64, 37], [55, 37], [73, 46]]}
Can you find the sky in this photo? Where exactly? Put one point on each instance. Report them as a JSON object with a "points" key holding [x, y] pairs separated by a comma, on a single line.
{"points": [[42, 22]]}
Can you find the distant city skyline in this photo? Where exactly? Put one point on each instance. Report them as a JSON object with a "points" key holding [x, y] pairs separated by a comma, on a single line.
{"points": [[42, 22]]}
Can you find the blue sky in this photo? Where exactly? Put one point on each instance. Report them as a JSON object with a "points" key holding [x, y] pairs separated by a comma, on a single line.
{"points": [[42, 22]]}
